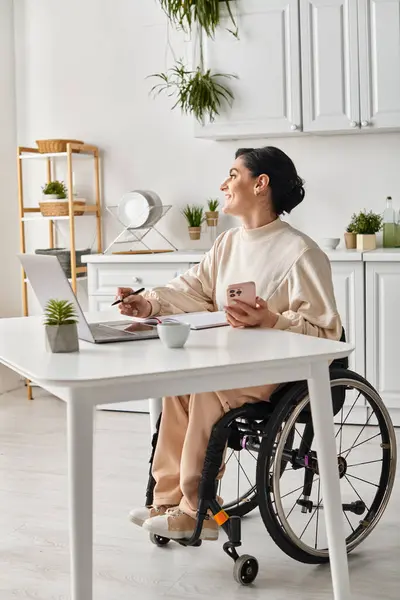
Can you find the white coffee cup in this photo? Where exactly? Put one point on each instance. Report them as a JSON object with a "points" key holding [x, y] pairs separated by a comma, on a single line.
{"points": [[173, 335]]}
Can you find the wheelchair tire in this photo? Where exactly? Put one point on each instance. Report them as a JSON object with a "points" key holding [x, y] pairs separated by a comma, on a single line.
{"points": [[273, 496]]}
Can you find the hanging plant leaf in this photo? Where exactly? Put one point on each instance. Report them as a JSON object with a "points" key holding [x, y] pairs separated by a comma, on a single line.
{"points": [[198, 92], [184, 13]]}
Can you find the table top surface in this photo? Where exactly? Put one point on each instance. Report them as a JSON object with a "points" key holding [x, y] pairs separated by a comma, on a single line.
{"points": [[23, 349]]}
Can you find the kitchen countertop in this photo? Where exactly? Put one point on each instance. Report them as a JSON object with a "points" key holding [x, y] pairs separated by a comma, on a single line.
{"points": [[382, 255], [193, 256]]}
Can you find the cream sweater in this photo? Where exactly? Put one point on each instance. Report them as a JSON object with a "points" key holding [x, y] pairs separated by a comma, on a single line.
{"points": [[290, 272]]}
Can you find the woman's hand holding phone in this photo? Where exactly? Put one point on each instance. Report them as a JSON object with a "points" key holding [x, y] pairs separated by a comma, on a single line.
{"points": [[245, 309]]}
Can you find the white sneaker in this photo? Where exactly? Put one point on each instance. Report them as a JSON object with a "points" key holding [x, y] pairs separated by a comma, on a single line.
{"points": [[176, 525], [139, 515]]}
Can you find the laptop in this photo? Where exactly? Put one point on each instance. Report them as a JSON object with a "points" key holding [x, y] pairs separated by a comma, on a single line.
{"points": [[48, 280]]}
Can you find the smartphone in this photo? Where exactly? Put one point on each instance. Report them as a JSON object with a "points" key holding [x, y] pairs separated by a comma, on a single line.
{"points": [[245, 292]]}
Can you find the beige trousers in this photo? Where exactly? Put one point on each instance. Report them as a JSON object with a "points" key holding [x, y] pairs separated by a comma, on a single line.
{"points": [[185, 429]]}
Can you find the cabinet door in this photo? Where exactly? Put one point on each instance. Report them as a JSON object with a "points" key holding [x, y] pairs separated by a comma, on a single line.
{"points": [[348, 282], [383, 331], [266, 60], [379, 39], [329, 52]]}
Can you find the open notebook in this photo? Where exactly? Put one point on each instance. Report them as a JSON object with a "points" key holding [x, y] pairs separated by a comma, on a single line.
{"points": [[196, 320]]}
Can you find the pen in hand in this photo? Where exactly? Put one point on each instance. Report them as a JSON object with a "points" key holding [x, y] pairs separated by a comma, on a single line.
{"points": [[119, 300]]}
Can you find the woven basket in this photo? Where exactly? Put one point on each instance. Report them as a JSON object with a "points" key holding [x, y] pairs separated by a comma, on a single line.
{"points": [[47, 146], [64, 257], [60, 208]]}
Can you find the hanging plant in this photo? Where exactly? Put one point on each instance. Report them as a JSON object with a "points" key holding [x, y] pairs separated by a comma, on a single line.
{"points": [[199, 92], [185, 13]]}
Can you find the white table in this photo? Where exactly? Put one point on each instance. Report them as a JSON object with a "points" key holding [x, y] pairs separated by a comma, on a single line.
{"points": [[213, 359]]}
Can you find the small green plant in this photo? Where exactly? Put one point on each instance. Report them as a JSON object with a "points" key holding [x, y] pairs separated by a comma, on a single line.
{"points": [[194, 215], [351, 226], [198, 92], [213, 204], [55, 187], [60, 312], [365, 223]]}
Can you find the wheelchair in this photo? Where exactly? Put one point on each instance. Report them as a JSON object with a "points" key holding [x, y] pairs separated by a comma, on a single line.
{"points": [[270, 446]]}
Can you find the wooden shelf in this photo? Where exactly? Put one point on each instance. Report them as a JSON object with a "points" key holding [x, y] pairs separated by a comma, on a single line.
{"points": [[34, 214], [77, 149]]}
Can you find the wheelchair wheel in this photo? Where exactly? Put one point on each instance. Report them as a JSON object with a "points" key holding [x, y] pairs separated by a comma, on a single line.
{"points": [[290, 499], [238, 486]]}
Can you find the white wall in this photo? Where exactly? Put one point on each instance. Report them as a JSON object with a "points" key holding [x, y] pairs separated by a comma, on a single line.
{"points": [[81, 73], [9, 232]]}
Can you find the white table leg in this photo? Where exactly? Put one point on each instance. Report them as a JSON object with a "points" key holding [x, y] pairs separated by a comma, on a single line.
{"points": [[322, 414], [80, 471], [155, 408]]}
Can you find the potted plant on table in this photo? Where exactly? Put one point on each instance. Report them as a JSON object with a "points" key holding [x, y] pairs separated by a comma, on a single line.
{"points": [[212, 214], [366, 225], [350, 236], [61, 326], [194, 216]]}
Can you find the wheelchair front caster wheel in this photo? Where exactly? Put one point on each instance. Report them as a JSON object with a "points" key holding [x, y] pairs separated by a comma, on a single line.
{"points": [[158, 540], [245, 569]]}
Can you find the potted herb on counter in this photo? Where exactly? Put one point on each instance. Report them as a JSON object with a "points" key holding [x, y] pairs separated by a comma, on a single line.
{"points": [[350, 236], [212, 214], [194, 216], [366, 226], [61, 326]]}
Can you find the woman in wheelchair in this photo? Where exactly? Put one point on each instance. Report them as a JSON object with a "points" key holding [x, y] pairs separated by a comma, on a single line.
{"points": [[295, 293]]}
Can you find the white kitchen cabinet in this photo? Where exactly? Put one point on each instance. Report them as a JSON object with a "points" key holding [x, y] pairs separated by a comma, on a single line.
{"points": [[350, 65], [348, 283], [379, 42], [383, 332], [329, 53], [266, 59]]}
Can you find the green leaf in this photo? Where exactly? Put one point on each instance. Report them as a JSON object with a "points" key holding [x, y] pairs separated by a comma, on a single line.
{"points": [[55, 187], [60, 312], [194, 215]]}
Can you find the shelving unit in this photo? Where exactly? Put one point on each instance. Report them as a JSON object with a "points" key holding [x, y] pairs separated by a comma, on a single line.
{"points": [[28, 214]]}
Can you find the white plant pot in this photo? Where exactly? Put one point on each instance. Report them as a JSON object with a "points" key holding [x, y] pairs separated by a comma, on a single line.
{"points": [[62, 338]]}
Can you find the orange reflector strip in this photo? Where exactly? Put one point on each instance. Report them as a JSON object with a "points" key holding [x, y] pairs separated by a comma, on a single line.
{"points": [[221, 517]]}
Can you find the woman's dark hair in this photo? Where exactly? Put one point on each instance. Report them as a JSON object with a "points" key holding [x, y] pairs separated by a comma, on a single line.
{"points": [[286, 186]]}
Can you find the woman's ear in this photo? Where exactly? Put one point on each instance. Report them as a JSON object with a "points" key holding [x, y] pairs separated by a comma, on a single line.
{"points": [[261, 185]]}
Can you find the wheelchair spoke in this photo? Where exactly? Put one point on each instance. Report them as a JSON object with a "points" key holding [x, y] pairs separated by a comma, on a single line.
{"points": [[364, 480], [244, 472], [354, 489], [348, 520], [316, 526], [348, 414], [367, 462], [229, 457], [341, 432], [358, 437], [302, 438], [293, 492], [310, 519], [348, 450], [295, 503]]}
